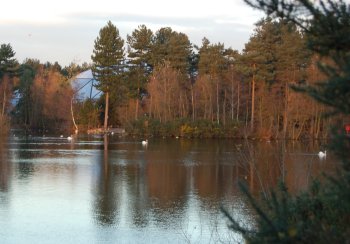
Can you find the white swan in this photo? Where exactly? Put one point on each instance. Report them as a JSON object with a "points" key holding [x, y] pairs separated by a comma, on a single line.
{"points": [[69, 138], [322, 155], [145, 142]]}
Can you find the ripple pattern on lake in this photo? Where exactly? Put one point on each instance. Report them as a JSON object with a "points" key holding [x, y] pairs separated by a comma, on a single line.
{"points": [[56, 191]]}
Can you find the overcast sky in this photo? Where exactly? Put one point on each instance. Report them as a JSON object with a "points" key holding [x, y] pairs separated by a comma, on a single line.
{"points": [[65, 30]]}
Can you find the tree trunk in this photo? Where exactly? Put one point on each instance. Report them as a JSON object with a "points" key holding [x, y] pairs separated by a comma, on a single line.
{"points": [[317, 125], [180, 108], [136, 108], [137, 97], [300, 130], [106, 112], [232, 99], [167, 103], [260, 112], [217, 103], [253, 103], [4, 103], [238, 101], [192, 101], [224, 110], [71, 109]]}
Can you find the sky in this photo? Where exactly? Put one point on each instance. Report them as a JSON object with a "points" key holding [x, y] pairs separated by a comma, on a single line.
{"points": [[65, 30]]}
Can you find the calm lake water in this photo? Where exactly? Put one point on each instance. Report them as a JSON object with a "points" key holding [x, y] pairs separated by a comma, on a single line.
{"points": [[56, 191]]}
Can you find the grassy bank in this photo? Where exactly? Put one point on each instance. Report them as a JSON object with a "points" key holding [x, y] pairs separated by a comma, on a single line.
{"points": [[183, 128]]}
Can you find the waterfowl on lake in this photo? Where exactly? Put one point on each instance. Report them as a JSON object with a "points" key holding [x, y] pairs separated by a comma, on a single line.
{"points": [[145, 142], [322, 155]]}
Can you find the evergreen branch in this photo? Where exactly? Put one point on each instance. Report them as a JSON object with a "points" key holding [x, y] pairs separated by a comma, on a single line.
{"points": [[234, 224], [255, 206]]}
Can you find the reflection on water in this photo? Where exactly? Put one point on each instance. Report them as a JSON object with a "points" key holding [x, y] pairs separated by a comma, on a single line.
{"points": [[112, 190]]}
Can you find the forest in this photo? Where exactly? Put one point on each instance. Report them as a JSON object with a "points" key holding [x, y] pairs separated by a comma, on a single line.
{"points": [[160, 84]]}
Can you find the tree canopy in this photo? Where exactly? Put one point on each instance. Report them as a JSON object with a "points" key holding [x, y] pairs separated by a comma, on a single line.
{"points": [[108, 57], [8, 62]]}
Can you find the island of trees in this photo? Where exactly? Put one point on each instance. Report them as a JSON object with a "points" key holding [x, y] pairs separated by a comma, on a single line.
{"points": [[161, 84]]}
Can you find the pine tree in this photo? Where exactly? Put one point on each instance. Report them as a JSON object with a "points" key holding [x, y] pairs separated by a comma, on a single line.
{"points": [[139, 53], [172, 46], [24, 108], [140, 44], [273, 58], [108, 62], [8, 63]]}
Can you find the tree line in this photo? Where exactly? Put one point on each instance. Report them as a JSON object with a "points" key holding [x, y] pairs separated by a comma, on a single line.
{"points": [[159, 83]]}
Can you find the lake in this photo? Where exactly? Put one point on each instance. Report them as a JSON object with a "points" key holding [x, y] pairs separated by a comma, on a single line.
{"points": [[57, 191]]}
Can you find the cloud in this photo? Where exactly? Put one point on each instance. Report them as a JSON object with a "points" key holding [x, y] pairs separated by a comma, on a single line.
{"points": [[65, 32]]}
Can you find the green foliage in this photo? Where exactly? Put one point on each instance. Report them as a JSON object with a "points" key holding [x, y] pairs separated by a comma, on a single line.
{"points": [[108, 64], [137, 127], [320, 215], [108, 57], [88, 115], [8, 68], [260, 52], [275, 53], [172, 46], [211, 58], [8, 63], [139, 52], [182, 128], [74, 69], [24, 108], [140, 44]]}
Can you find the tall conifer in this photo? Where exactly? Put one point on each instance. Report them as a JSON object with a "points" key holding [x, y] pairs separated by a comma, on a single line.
{"points": [[108, 61]]}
